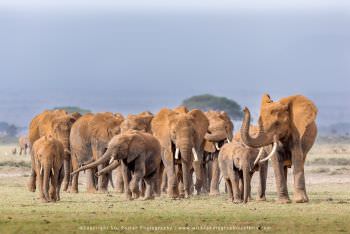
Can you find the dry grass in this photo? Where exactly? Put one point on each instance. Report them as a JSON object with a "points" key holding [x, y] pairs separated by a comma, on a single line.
{"points": [[327, 212]]}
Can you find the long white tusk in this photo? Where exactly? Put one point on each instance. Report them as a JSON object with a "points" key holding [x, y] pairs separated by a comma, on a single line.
{"points": [[53, 172], [273, 151], [217, 146], [110, 161], [177, 153], [228, 140], [195, 154], [41, 170], [261, 151]]}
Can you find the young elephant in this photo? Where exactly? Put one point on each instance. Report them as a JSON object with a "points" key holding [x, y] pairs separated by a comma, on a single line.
{"points": [[48, 160], [238, 163], [139, 153]]}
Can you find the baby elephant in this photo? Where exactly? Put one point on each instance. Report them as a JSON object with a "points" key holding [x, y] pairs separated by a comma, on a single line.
{"points": [[48, 160], [238, 163], [139, 154]]}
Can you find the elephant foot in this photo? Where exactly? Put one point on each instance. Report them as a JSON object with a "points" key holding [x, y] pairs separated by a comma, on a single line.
{"points": [[43, 200], [118, 190], [214, 193], [91, 190], [237, 201], [260, 198], [65, 186], [283, 200], [135, 195], [148, 198], [73, 190], [300, 197]]}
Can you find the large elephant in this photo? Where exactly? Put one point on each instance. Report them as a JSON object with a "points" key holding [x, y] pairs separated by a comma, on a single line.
{"points": [[89, 138], [55, 123], [139, 153], [139, 122], [23, 142], [48, 156], [181, 136], [219, 132], [291, 121]]}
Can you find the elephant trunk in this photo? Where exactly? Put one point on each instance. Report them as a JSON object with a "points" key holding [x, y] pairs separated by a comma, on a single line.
{"points": [[216, 136], [109, 168], [46, 180], [66, 166], [256, 142], [106, 156], [246, 183]]}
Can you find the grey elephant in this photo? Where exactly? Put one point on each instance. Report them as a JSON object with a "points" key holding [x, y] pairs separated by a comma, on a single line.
{"points": [[238, 163], [139, 153]]}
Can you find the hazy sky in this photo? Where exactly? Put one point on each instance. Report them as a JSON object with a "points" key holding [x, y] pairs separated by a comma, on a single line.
{"points": [[130, 56]]}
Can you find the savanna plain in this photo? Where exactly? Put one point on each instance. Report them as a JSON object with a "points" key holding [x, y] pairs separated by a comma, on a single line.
{"points": [[327, 179]]}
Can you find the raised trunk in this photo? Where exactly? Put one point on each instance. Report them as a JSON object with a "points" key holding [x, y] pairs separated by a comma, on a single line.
{"points": [[246, 182], [107, 155], [216, 136], [260, 140], [46, 181]]}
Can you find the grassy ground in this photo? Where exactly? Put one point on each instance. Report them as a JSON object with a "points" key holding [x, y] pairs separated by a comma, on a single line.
{"points": [[327, 212]]}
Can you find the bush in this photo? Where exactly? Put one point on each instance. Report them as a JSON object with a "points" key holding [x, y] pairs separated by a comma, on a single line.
{"points": [[210, 102], [71, 109]]}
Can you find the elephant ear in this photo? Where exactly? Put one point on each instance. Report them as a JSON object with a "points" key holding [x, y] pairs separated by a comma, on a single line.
{"points": [[136, 147], [201, 123], [228, 125], [303, 113], [160, 126]]}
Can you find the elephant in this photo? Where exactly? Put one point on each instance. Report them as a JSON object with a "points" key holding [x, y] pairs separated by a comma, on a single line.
{"points": [[48, 155], [140, 122], [139, 153], [220, 131], [89, 138], [181, 136], [56, 123], [291, 121], [23, 142]]}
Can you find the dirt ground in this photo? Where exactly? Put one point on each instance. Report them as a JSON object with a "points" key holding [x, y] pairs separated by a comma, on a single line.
{"points": [[327, 179]]}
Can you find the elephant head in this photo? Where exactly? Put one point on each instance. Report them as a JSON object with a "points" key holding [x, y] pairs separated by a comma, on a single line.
{"points": [[140, 122], [220, 130], [279, 120], [127, 146], [187, 132], [61, 126]]}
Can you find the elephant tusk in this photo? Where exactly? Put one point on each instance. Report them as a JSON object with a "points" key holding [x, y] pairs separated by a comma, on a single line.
{"points": [[41, 170], [217, 146], [273, 151], [195, 154], [228, 140], [261, 151], [110, 161], [177, 153], [52, 171]]}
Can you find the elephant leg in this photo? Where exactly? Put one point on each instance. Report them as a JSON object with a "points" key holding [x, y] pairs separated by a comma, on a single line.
{"points": [[300, 195], [214, 183], [229, 189], [53, 186], [206, 177], [150, 186], [234, 186], [102, 181], [281, 185], [158, 180], [32, 178], [172, 181], [240, 185], [40, 183], [262, 181], [164, 181], [197, 166], [67, 172], [180, 184], [119, 182], [126, 178], [134, 185], [59, 183], [20, 150], [90, 183], [186, 167]]}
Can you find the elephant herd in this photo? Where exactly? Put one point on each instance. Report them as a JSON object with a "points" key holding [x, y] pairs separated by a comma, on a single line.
{"points": [[178, 152]]}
